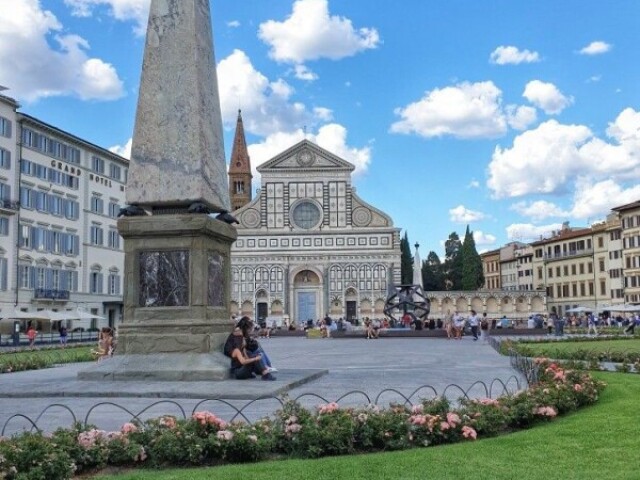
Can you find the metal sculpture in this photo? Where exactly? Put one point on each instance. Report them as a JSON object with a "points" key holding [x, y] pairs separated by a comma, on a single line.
{"points": [[407, 300]]}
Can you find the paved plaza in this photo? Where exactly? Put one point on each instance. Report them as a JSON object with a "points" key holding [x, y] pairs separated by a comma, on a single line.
{"points": [[331, 368]]}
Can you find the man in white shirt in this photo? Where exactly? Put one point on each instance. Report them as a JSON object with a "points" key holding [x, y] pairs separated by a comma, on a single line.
{"points": [[474, 321]]}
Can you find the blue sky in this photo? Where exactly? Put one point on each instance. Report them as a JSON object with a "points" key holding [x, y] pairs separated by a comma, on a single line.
{"points": [[509, 116]]}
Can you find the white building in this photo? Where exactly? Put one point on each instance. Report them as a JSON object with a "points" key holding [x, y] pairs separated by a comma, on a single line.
{"points": [[307, 244], [59, 246]]}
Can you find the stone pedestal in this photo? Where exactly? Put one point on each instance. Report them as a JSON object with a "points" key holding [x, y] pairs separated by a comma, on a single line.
{"points": [[176, 318]]}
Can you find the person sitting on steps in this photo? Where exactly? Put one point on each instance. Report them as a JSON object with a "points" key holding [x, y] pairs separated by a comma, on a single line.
{"points": [[243, 366]]}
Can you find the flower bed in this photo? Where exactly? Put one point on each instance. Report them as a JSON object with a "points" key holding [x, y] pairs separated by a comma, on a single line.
{"points": [[592, 354], [294, 431], [20, 360]]}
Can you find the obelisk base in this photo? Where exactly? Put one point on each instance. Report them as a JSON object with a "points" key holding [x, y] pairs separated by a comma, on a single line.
{"points": [[160, 367], [176, 300]]}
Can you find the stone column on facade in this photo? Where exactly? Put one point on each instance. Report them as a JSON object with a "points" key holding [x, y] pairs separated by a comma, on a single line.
{"points": [[177, 258]]}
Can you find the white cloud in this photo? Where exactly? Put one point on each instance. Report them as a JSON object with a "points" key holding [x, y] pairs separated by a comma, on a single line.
{"points": [[467, 110], [462, 214], [324, 114], [509, 55], [267, 106], [303, 72], [474, 184], [122, 150], [483, 239], [310, 32], [34, 67], [523, 232], [122, 10], [539, 210], [233, 24], [594, 79], [596, 48], [520, 117], [593, 200], [549, 158], [546, 96], [332, 137]]}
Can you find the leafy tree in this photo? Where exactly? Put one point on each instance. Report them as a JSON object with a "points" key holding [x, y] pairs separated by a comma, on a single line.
{"points": [[406, 261], [452, 270], [472, 274], [432, 273]]}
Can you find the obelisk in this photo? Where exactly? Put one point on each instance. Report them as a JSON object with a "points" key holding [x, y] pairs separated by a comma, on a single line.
{"points": [[177, 257]]}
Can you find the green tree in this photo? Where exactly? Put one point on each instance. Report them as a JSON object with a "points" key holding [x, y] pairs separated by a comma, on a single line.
{"points": [[432, 274], [406, 261], [452, 271], [472, 274]]}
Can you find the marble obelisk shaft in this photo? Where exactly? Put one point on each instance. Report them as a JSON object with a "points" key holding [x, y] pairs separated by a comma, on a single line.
{"points": [[177, 156]]}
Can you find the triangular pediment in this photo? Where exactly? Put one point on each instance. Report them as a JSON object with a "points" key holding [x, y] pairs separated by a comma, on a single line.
{"points": [[307, 156]]}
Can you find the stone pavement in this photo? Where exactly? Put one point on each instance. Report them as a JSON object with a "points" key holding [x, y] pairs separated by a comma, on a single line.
{"points": [[396, 367]]}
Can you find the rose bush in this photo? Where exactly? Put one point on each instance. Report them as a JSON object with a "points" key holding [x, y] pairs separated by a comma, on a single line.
{"points": [[205, 439]]}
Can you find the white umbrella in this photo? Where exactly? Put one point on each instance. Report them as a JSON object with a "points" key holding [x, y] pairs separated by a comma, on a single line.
{"points": [[579, 310], [18, 315], [79, 314]]}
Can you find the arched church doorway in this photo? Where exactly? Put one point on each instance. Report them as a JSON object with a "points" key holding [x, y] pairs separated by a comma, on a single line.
{"points": [[262, 306], [307, 294]]}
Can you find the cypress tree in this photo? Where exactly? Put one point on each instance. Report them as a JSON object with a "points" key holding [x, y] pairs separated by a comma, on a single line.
{"points": [[406, 261], [452, 271], [432, 276], [472, 274]]}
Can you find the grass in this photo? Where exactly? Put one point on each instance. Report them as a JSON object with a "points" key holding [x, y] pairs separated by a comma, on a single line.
{"points": [[597, 442], [45, 358], [623, 345]]}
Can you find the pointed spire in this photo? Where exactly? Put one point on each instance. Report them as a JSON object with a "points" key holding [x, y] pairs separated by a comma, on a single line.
{"points": [[240, 161]]}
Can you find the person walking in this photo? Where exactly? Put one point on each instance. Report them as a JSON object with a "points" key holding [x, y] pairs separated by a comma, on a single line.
{"points": [[592, 325], [474, 321], [63, 335], [484, 327], [31, 335]]}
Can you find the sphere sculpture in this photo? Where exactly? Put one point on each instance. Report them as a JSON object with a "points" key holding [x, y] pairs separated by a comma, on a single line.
{"points": [[407, 300]]}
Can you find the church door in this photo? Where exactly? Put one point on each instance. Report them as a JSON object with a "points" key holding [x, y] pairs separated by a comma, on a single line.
{"points": [[263, 311], [352, 310], [306, 306]]}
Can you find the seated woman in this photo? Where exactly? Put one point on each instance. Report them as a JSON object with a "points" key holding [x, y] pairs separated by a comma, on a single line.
{"points": [[243, 366], [253, 347], [105, 344]]}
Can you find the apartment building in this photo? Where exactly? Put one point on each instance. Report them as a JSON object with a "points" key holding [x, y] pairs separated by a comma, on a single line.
{"points": [[630, 237], [572, 265], [509, 262], [491, 270], [59, 245]]}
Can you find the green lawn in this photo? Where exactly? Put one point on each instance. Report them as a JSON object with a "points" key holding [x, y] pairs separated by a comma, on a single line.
{"points": [[599, 442], [631, 345], [36, 359]]}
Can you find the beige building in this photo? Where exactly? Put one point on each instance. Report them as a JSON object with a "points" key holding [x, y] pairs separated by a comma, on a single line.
{"points": [[491, 270], [630, 236], [572, 266]]}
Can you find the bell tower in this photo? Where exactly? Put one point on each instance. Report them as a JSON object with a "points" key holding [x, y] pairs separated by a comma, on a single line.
{"points": [[240, 169]]}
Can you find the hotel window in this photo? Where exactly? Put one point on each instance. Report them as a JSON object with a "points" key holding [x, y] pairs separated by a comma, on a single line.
{"points": [[25, 236], [5, 191], [97, 235], [25, 276], [114, 209], [97, 165], [114, 284], [5, 159], [95, 282], [55, 205], [114, 238], [5, 127], [114, 171], [41, 201], [3, 274], [4, 226], [97, 204], [71, 209]]}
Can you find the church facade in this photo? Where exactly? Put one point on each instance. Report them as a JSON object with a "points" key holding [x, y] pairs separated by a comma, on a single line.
{"points": [[307, 245]]}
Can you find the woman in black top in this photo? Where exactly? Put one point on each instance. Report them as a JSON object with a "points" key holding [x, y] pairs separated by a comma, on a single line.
{"points": [[243, 366]]}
